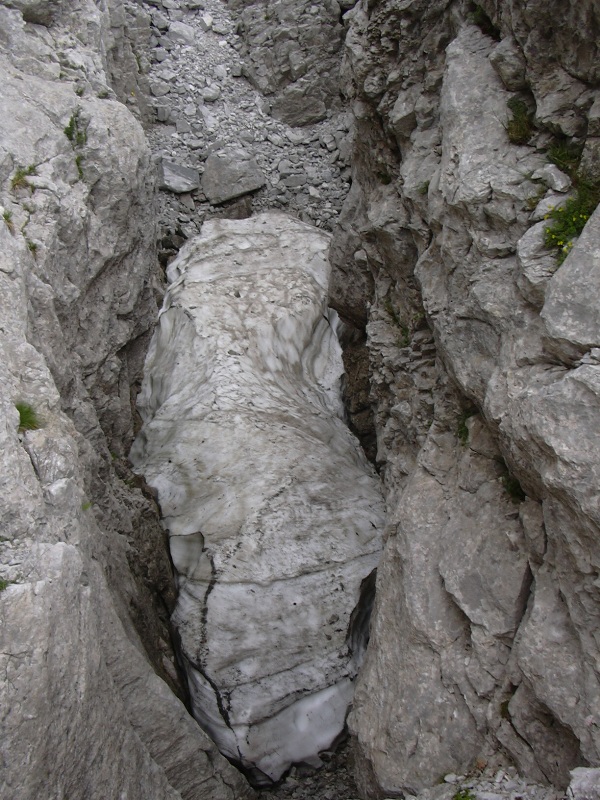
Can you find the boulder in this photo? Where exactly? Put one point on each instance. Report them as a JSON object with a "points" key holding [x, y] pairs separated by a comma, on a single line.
{"points": [[175, 178], [230, 173], [296, 109]]}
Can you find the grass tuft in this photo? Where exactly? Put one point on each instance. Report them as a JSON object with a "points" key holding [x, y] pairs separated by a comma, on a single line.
{"points": [[462, 430], [566, 156], [463, 794], [19, 179], [28, 418], [8, 219], [520, 127], [569, 220], [479, 17], [513, 488], [75, 131]]}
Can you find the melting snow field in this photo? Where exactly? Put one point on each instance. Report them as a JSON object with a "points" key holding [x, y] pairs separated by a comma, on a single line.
{"points": [[273, 513]]}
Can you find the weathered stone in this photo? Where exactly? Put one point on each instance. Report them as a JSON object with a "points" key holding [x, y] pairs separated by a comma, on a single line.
{"points": [[552, 177], [295, 108], [89, 684], [506, 665], [570, 312], [508, 61], [292, 55], [585, 784], [211, 93], [180, 33], [206, 22], [402, 116], [230, 173], [178, 179], [535, 264]]}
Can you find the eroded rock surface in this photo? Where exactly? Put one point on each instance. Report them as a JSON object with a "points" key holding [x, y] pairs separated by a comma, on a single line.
{"points": [[91, 701], [273, 513], [483, 358]]}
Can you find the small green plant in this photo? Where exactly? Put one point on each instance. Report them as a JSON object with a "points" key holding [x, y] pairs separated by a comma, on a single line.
{"points": [[569, 220], [423, 188], [19, 179], [4, 584], [404, 339], [479, 17], [78, 162], [393, 313], [513, 488], [566, 156], [384, 177], [406, 331], [7, 217], [31, 246], [462, 430], [28, 418], [520, 127], [79, 90], [86, 506], [463, 794], [75, 131]]}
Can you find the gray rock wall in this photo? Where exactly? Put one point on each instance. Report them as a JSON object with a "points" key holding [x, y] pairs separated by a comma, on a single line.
{"points": [[483, 387], [89, 686], [292, 55]]}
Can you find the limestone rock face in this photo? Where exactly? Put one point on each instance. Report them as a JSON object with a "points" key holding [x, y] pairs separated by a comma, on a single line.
{"points": [[90, 696], [483, 358], [274, 515], [292, 55]]}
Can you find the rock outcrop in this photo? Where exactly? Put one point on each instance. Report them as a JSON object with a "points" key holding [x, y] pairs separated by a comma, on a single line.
{"points": [[273, 513], [292, 55], [484, 384], [89, 689]]}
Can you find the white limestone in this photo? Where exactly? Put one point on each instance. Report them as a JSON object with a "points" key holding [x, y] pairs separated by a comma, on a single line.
{"points": [[273, 513]]}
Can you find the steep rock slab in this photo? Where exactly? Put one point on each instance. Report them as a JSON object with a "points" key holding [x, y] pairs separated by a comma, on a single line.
{"points": [[87, 674], [487, 594], [273, 513]]}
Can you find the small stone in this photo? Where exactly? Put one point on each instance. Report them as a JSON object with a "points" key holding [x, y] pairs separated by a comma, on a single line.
{"points": [[211, 93], [220, 72], [159, 88], [190, 110], [160, 54], [178, 179], [159, 21], [183, 126], [552, 177], [295, 181], [206, 22], [220, 28], [231, 173], [236, 70], [295, 137], [162, 113], [181, 33], [187, 200]]}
